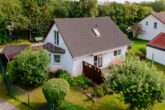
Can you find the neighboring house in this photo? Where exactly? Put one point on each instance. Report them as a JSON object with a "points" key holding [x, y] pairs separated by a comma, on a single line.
{"points": [[152, 25], [156, 49], [70, 41]]}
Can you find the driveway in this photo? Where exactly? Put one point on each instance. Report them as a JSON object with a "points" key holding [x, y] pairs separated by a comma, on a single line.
{"points": [[6, 106]]}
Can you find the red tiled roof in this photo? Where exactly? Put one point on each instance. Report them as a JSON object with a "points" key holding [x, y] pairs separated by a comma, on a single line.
{"points": [[158, 41], [160, 16]]}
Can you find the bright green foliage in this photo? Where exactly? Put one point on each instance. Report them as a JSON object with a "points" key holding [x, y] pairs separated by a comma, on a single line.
{"points": [[89, 8], [55, 91], [63, 74], [139, 83], [80, 81], [29, 68], [157, 5]]}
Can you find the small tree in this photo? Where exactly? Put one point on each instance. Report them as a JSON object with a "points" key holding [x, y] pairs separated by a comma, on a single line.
{"points": [[29, 67], [139, 83], [55, 91]]}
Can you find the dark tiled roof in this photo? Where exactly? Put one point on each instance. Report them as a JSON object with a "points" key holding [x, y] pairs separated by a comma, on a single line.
{"points": [[158, 41], [52, 48], [160, 16], [81, 40], [12, 50]]}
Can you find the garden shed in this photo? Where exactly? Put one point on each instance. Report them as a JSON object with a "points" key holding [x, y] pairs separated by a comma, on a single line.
{"points": [[156, 49], [10, 51]]}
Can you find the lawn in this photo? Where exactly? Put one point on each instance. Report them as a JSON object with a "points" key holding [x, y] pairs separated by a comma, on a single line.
{"points": [[137, 44], [17, 42]]}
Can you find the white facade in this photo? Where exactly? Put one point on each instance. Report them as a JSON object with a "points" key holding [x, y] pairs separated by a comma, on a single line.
{"points": [[74, 65], [149, 32], [108, 56], [159, 55]]}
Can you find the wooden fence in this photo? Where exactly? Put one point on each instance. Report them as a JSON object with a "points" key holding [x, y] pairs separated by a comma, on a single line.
{"points": [[92, 72]]}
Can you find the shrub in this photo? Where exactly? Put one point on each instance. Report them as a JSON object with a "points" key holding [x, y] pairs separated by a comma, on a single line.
{"points": [[63, 74], [100, 92], [139, 83], [29, 68], [93, 94], [55, 91], [90, 90], [105, 88], [143, 50], [79, 81]]}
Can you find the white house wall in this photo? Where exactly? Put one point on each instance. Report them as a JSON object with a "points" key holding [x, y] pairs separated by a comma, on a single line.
{"points": [[159, 55], [149, 32], [66, 59], [108, 56]]}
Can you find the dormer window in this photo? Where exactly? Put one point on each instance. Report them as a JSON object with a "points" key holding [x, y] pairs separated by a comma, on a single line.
{"points": [[97, 33], [56, 37]]}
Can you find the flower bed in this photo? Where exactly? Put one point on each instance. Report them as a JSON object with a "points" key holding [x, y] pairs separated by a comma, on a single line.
{"points": [[91, 89]]}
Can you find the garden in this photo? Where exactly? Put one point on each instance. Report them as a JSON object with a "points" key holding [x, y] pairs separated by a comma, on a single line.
{"points": [[33, 86]]}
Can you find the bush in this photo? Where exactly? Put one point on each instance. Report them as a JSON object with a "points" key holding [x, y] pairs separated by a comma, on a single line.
{"points": [[143, 50], [63, 74], [29, 68], [105, 88], [79, 81], [55, 91], [139, 83], [100, 92]]}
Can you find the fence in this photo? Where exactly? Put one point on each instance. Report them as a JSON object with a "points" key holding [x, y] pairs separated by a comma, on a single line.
{"points": [[92, 72]]}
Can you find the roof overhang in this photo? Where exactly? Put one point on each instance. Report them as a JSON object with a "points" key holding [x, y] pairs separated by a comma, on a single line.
{"points": [[155, 47]]}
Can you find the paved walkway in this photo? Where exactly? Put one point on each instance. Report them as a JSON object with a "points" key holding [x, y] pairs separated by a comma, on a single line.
{"points": [[6, 106]]}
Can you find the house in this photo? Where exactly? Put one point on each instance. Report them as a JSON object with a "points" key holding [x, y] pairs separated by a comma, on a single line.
{"points": [[70, 41], [151, 26], [156, 49]]}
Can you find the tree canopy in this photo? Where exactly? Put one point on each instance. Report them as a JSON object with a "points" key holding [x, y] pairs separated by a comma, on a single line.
{"points": [[31, 18]]}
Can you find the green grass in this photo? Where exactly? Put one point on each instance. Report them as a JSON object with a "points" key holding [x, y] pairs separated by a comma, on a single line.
{"points": [[17, 42], [137, 44]]}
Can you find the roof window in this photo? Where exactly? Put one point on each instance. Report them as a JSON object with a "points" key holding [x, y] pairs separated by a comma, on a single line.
{"points": [[97, 33]]}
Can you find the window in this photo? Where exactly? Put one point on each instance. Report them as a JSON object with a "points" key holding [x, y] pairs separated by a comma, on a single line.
{"points": [[146, 23], [115, 53], [57, 58], [100, 60], [56, 37], [97, 33], [119, 52], [155, 25]]}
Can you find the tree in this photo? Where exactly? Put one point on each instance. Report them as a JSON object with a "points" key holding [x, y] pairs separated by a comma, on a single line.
{"points": [[89, 8], [33, 13], [157, 5], [29, 68], [140, 84], [55, 91]]}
